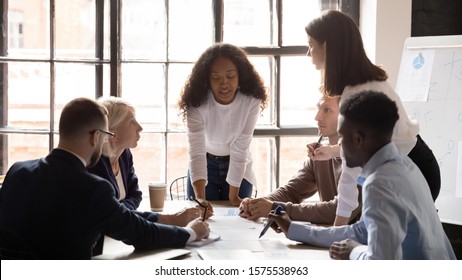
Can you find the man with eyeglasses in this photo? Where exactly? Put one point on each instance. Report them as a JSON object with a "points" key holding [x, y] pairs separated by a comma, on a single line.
{"points": [[60, 209], [105, 132]]}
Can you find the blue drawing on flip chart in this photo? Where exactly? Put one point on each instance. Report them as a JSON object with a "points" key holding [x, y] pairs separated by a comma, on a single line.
{"points": [[419, 61]]}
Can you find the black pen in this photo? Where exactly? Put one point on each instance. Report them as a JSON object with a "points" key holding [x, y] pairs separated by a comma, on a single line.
{"points": [[319, 142], [197, 201], [205, 212], [268, 225], [200, 204]]}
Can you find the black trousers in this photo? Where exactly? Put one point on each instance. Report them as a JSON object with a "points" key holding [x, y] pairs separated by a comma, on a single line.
{"points": [[424, 158]]}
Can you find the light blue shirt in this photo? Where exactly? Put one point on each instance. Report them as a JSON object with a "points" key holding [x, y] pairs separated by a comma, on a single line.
{"points": [[399, 219]]}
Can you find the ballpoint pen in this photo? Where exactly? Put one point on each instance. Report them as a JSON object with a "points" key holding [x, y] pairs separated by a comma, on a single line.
{"points": [[205, 213], [197, 201], [200, 204], [319, 142], [268, 225]]}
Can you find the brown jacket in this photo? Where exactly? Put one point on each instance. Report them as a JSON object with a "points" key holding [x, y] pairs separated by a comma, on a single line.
{"points": [[315, 176]]}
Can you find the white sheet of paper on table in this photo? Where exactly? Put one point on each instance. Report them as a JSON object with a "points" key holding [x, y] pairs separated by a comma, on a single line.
{"points": [[203, 242]]}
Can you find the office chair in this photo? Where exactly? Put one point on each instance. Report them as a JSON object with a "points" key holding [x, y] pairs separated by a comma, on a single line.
{"points": [[12, 247], [178, 189]]}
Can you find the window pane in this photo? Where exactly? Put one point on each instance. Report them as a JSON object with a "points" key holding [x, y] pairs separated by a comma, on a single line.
{"points": [[299, 91], [107, 31], [293, 155], [177, 76], [28, 29], [21, 147], [72, 81], [106, 80], [190, 29], [75, 28], [249, 23], [264, 67], [177, 156], [29, 95], [262, 150], [144, 30], [293, 27], [143, 85], [55, 140], [148, 160]]}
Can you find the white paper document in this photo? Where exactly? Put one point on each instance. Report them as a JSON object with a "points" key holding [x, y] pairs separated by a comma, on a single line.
{"points": [[202, 242], [226, 211], [414, 75]]}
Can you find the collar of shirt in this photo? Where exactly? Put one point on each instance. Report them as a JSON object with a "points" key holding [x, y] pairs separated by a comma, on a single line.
{"points": [[386, 153]]}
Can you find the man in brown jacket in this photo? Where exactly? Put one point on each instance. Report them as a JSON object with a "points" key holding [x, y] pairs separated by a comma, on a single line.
{"points": [[315, 176]]}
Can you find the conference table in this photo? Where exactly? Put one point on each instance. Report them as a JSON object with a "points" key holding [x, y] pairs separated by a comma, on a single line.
{"points": [[238, 240]]}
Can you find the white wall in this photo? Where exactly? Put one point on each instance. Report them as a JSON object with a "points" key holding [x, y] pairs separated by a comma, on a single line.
{"points": [[385, 25]]}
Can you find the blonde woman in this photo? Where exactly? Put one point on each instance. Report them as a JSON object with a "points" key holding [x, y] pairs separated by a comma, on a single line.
{"points": [[116, 162]]}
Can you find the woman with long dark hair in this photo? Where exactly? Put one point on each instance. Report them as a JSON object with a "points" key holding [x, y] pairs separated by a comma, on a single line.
{"points": [[336, 48]]}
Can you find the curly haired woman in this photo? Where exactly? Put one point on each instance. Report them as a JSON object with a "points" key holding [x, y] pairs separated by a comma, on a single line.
{"points": [[221, 102]]}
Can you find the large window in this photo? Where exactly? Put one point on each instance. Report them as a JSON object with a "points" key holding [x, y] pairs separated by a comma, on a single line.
{"points": [[143, 50]]}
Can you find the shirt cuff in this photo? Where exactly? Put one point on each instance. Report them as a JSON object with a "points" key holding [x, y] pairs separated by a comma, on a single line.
{"points": [[192, 234], [295, 230], [342, 213], [358, 253]]}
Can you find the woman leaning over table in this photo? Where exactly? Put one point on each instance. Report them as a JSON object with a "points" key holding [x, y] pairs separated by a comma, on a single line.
{"points": [[336, 48], [221, 102]]}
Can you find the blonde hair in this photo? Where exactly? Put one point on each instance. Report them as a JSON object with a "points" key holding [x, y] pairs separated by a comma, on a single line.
{"points": [[118, 109]]}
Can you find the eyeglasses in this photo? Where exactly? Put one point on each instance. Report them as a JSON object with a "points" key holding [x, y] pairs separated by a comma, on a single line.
{"points": [[108, 133]]}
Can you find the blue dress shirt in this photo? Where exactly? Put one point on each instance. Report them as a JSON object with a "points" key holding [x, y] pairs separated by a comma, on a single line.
{"points": [[399, 219]]}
